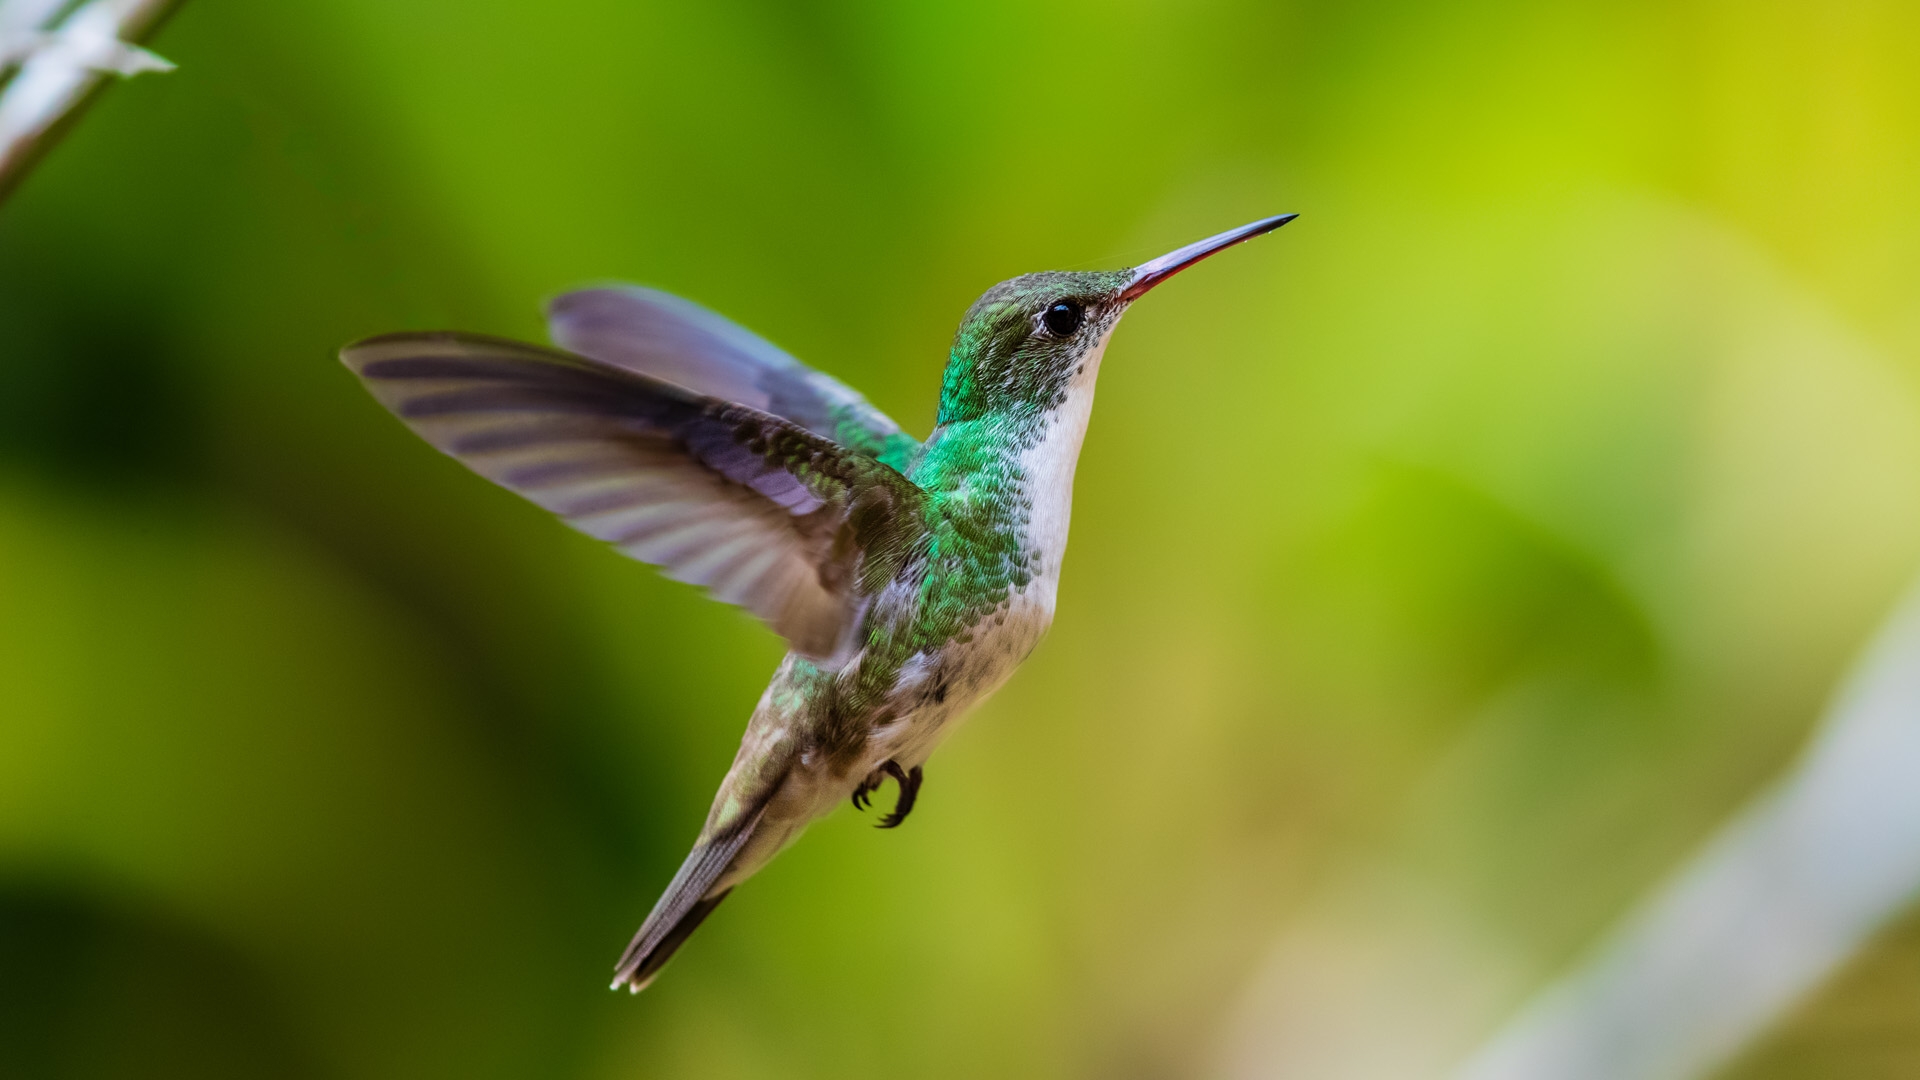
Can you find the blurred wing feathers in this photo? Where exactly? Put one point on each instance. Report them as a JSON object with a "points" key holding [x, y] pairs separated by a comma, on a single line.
{"points": [[661, 335], [764, 513]]}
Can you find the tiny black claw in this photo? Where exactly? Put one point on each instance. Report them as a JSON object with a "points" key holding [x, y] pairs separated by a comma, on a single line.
{"points": [[909, 782], [860, 800]]}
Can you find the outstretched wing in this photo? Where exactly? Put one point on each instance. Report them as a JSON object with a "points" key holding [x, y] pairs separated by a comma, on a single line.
{"points": [[766, 514], [659, 334]]}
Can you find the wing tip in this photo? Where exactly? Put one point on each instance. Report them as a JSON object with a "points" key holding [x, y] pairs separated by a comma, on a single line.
{"points": [[564, 304], [356, 355]]}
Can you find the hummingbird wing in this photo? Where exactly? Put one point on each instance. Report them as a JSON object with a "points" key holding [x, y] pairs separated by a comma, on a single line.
{"points": [[661, 335], [766, 514]]}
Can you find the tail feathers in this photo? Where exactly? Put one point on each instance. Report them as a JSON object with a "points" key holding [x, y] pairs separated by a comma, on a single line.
{"points": [[681, 908], [647, 964]]}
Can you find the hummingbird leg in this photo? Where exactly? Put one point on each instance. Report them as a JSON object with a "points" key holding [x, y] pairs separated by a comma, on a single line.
{"points": [[863, 795], [909, 781]]}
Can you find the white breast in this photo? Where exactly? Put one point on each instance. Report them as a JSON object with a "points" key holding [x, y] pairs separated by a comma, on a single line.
{"points": [[1049, 466]]}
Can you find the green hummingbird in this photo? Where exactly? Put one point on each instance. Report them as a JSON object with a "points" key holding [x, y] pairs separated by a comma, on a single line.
{"points": [[909, 579]]}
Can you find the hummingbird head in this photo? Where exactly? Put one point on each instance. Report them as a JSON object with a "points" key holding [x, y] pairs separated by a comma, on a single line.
{"points": [[1028, 341]]}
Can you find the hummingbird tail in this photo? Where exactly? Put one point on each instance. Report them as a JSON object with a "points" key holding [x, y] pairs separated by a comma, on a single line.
{"points": [[682, 907]]}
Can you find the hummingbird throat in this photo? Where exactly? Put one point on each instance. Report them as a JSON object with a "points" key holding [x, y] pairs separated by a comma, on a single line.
{"points": [[1048, 466]]}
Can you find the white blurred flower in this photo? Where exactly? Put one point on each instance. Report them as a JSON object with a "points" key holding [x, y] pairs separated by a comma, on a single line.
{"points": [[55, 62], [89, 39]]}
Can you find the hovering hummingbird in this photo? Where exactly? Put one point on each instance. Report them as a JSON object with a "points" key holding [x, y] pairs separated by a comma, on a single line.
{"points": [[909, 579]]}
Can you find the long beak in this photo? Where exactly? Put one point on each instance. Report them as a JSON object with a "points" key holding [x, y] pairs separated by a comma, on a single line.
{"points": [[1147, 275]]}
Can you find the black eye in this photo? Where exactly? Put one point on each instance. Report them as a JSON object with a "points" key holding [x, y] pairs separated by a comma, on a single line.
{"points": [[1064, 317]]}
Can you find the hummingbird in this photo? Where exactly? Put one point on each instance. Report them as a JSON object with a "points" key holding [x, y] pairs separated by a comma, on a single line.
{"points": [[908, 578]]}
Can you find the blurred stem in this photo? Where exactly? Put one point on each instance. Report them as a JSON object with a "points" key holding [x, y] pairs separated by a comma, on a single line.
{"points": [[1787, 890], [60, 66]]}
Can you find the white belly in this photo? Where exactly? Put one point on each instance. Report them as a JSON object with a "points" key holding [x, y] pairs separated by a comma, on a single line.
{"points": [[967, 672]]}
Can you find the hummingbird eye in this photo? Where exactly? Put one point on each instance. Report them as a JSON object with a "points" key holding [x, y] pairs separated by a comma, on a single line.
{"points": [[1063, 317]]}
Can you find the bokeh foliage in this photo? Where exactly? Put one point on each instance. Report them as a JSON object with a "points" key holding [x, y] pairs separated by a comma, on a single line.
{"points": [[1445, 566]]}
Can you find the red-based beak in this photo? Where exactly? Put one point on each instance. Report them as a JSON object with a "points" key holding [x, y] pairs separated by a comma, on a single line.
{"points": [[1147, 275]]}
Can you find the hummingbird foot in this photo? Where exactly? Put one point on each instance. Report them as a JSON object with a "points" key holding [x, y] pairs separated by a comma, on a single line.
{"points": [[909, 781]]}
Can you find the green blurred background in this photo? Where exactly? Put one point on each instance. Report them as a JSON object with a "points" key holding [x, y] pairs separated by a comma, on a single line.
{"points": [[1445, 567]]}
